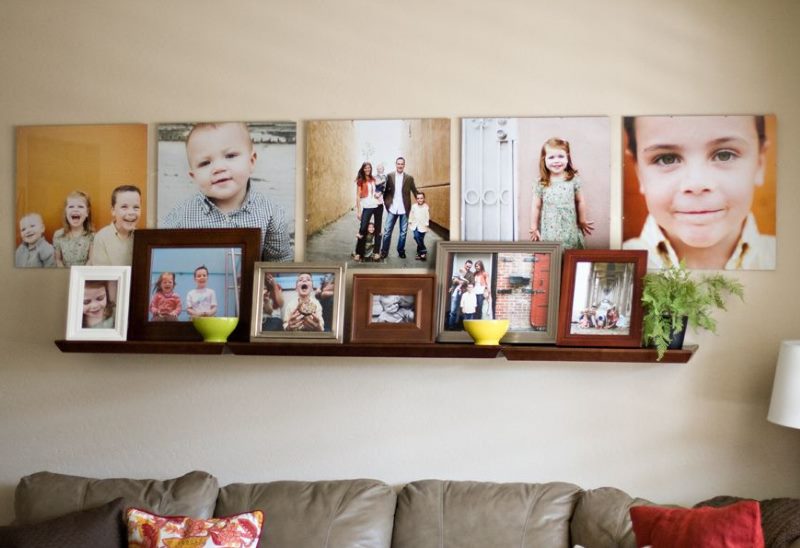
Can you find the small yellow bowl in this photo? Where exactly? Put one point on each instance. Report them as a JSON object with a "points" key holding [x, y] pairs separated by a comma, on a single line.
{"points": [[486, 332], [213, 329]]}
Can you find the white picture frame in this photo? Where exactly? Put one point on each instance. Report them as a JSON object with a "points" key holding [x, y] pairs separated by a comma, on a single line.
{"points": [[85, 283]]}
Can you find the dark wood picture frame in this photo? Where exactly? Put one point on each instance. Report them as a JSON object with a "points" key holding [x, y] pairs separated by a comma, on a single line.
{"points": [[420, 329], [248, 240], [632, 309]]}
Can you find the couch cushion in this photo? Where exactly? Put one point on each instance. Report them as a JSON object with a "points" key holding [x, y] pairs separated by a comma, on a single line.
{"points": [[452, 514], [735, 526], [321, 514], [101, 526], [239, 531], [780, 518], [46, 495], [602, 519]]}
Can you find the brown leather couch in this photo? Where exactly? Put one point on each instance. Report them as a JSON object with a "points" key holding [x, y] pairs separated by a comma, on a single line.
{"points": [[362, 513]]}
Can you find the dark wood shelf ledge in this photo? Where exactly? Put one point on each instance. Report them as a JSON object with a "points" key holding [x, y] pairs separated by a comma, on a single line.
{"points": [[430, 350], [405, 350], [586, 354], [142, 347]]}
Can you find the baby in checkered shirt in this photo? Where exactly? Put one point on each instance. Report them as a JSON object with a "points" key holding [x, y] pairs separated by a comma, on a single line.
{"points": [[221, 159]]}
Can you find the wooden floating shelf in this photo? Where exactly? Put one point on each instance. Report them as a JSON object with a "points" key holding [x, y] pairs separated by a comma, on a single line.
{"points": [[586, 354], [431, 350], [405, 350], [142, 347]]}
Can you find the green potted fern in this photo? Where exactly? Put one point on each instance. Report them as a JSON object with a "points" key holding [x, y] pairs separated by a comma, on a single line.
{"points": [[672, 298]]}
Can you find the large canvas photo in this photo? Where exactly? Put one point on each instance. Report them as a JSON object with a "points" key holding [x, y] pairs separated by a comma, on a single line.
{"points": [[701, 189], [377, 191], [81, 192], [536, 179], [230, 175]]}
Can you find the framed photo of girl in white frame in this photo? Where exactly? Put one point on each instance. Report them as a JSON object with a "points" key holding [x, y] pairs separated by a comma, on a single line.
{"points": [[98, 303]]}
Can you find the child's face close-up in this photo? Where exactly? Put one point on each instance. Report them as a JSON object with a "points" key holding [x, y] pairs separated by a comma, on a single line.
{"points": [[698, 175], [555, 159], [31, 229], [76, 212], [126, 210], [221, 160], [304, 285], [420, 199], [94, 304], [201, 278], [167, 284]]}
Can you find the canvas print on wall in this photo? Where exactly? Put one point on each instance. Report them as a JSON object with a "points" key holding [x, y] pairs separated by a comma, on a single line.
{"points": [[536, 179], [701, 189], [377, 191], [81, 191], [230, 175]]}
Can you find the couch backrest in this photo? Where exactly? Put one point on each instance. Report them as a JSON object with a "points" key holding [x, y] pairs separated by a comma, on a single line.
{"points": [[464, 514], [46, 495], [320, 514], [602, 519]]}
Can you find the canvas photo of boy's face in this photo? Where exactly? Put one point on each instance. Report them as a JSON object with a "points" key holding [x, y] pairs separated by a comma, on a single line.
{"points": [[701, 190], [698, 175]]}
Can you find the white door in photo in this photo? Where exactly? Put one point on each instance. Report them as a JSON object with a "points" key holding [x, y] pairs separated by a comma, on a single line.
{"points": [[488, 186]]}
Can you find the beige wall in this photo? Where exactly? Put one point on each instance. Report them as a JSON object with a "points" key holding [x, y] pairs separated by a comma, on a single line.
{"points": [[327, 199], [669, 433]]}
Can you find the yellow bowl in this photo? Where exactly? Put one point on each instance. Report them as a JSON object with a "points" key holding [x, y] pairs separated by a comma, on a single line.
{"points": [[215, 329], [486, 332]]}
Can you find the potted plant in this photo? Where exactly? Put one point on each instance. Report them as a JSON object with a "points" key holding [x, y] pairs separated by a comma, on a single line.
{"points": [[672, 299]]}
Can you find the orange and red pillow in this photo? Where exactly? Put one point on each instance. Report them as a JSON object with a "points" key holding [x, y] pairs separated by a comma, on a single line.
{"points": [[734, 526], [146, 530]]}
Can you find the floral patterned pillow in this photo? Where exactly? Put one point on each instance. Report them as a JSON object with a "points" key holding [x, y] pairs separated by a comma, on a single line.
{"points": [[146, 530]]}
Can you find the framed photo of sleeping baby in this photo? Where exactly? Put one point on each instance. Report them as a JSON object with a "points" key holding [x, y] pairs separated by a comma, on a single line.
{"points": [[98, 303], [298, 302], [179, 275], [392, 308]]}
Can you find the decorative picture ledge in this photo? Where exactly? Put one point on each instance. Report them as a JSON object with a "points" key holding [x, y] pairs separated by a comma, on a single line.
{"points": [[549, 353]]}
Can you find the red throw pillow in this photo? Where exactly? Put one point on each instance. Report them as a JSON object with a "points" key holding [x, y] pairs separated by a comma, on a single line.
{"points": [[734, 526]]}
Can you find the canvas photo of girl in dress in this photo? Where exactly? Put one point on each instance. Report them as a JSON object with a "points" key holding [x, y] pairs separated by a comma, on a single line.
{"points": [[536, 179]]}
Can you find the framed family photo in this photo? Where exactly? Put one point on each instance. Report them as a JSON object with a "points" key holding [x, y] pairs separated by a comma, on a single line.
{"points": [[98, 303], [601, 298], [499, 280], [298, 302], [181, 274], [392, 308]]}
